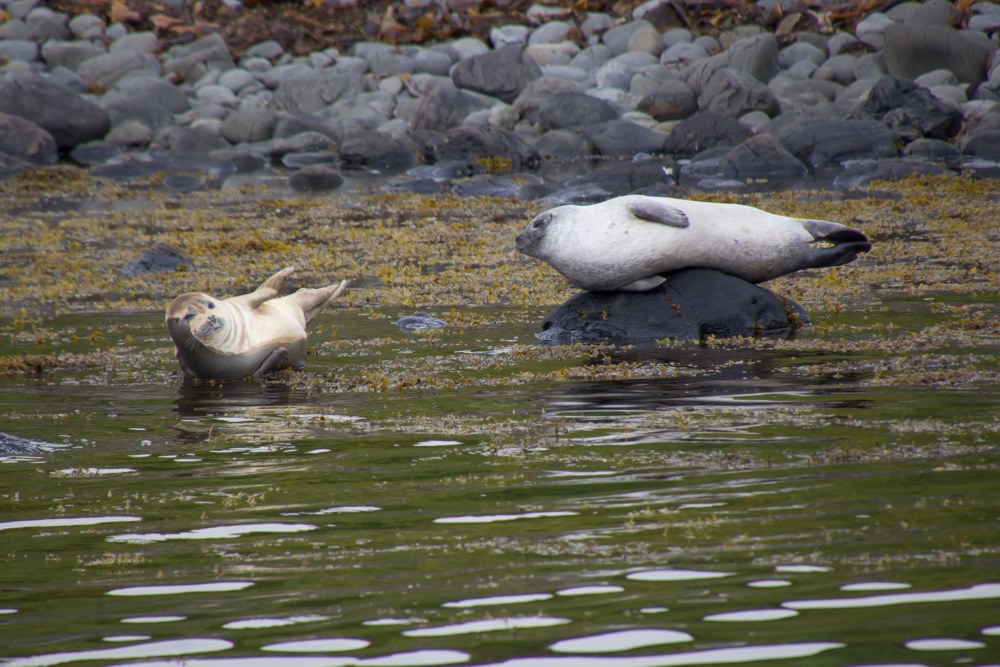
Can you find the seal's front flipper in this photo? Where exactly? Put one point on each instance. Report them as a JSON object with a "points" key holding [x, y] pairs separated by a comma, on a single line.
{"points": [[643, 285], [657, 211], [276, 361]]}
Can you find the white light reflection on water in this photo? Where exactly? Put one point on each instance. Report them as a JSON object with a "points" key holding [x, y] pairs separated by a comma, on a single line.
{"points": [[676, 575], [258, 623], [769, 583], [169, 647], [493, 518], [753, 615], [487, 625], [623, 640], [153, 619], [421, 658], [335, 645], [718, 656], [979, 592], [875, 586], [66, 523], [180, 589], [803, 569], [213, 533], [589, 590], [943, 644], [498, 600]]}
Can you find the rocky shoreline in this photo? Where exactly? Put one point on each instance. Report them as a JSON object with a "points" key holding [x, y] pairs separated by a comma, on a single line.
{"points": [[566, 110]]}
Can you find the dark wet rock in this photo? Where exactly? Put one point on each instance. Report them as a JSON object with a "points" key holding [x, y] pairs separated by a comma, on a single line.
{"points": [[24, 140], [674, 101], [24, 50], [818, 141], [445, 107], [419, 186], [12, 445], [195, 59], [704, 130], [983, 143], [761, 157], [383, 59], [568, 110], [303, 142], [419, 322], [183, 182], [198, 140], [306, 159], [70, 118], [249, 125], [94, 152], [756, 56], [289, 124], [374, 150], [129, 133], [731, 92], [161, 258], [808, 93], [933, 150], [315, 178], [446, 170], [577, 195], [912, 50], [912, 110], [472, 142], [11, 166], [622, 138], [693, 304], [624, 177], [491, 185], [502, 73], [315, 90], [243, 160], [863, 172], [563, 144]]}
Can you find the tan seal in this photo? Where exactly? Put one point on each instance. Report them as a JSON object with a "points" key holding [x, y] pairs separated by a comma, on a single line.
{"points": [[627, 243], [245, 336]]}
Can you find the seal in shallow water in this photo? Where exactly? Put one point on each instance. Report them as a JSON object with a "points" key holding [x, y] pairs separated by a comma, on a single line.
{"points": [[245, 336], [625, 243]]}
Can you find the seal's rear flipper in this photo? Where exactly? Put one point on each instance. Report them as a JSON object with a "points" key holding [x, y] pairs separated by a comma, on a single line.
{"points": [[276, 361], [838, 244], [311, 301]]}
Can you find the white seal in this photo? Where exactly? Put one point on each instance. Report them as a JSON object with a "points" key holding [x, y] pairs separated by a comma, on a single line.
{"points": [[245, 336], [627, 243]]}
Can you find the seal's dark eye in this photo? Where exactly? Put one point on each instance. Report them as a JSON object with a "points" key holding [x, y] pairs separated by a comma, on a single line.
{"points": [[539, 222], [211, 305]]}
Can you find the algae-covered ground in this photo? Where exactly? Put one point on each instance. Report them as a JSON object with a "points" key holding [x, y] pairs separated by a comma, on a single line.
{"points": [[66, 237]]}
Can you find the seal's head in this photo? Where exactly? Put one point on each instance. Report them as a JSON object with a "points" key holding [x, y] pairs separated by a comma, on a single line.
{"points": [[532, 240], [193, 315]]}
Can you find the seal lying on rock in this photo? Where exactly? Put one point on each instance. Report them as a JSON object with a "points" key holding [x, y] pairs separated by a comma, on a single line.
{"points": [[626, 243], [249, 335]]}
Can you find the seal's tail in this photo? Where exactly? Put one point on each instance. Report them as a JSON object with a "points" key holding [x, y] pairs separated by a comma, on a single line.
{"points": [[312, 301], [836, 243]]}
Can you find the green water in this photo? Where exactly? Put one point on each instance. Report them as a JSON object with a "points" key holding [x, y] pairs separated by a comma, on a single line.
{"points": [[470, 497]]}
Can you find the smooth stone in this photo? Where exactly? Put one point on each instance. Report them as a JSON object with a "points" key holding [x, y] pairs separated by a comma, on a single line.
{"points": [[69, 54], [432, 62], [151, 89], [249, 125], [550, 33], [646, 40], [682, 54], [569, 110], [236, 79], [94, 152], [467, 47], [146, 111], [505, 35], [912, 50], [315, 90], [984, 143], [819, 141], [15, 29], [384, 60], [617, 38], [216, 94], [161, 258], [315, 178], [591, 57], [194, 140], [70, 118], [761, 157], [502, 74], [445, 107], [130, 133], [106, 70], [11, 166], [931, 12], [756, 56], [562, 144], [621, 138], [22, 139], [798, 52], [504, 148], [86, 26], [693, 304], [193, 60], [268, 49], [863, 172], [872, 29], [24, 50], [704, 130], [47, 24], [840, 68], [933, 150], [673, 101], [840, 42], [731, 92], [621, 177], [136, 42], [369, 149], [912, 110], [558, 53], [808, 93]]}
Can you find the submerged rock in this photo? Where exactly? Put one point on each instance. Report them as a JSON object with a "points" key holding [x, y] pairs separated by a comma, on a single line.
{"points": [[161, 258], [693, 304], [419, 322]]}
